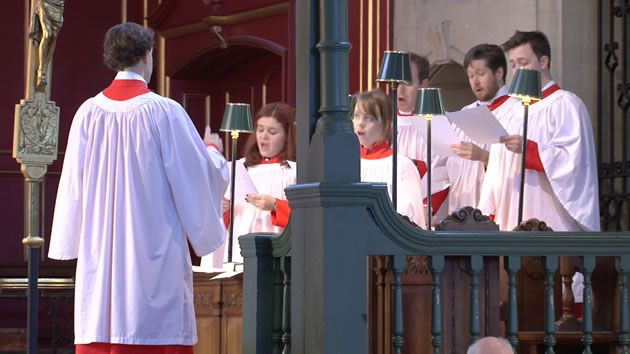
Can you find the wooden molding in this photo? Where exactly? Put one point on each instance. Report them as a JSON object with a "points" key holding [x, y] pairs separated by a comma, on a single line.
{"points": [[237, 18]]}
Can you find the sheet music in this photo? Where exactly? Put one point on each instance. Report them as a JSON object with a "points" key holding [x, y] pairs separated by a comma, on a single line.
{"points": [[442, 134], [479, 124], [244, 184]]}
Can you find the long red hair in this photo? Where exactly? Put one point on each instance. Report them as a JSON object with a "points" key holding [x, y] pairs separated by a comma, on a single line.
{"points": [[285, 115]]}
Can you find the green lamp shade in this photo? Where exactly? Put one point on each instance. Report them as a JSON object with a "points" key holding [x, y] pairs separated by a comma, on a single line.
{"points": [[526, 84], [395, 67], [429, 102], [237, 118]]}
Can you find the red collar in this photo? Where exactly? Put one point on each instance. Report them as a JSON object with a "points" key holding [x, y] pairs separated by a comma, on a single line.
{"points": [[400, 114], [497, 102], [269, 160], [377, 151], [548, 91], [122, 90]]}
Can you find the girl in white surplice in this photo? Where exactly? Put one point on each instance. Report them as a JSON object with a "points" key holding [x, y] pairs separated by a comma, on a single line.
{"points": [[269, 165], [372, 121]]}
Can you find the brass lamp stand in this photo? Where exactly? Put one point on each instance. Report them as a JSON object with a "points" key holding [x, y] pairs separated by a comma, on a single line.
{"points": [[236, 119], [395, 69], [429, 104], [525, 86]]}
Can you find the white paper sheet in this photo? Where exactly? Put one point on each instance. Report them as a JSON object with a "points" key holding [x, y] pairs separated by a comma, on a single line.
{"points": [[244, 184], [442, 134], [479, 124]]}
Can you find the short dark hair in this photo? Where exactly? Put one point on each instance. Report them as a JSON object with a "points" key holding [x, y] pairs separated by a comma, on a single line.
{"points": [[126, 44], [422, 63], [491, 53], [536, 39]]}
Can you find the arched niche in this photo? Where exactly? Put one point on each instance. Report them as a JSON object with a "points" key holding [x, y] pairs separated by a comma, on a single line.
{"points": [[245, 70], [451, 78]]}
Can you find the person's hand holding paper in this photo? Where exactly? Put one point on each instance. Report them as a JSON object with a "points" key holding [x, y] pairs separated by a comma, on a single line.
{"points": [[479, 124], [243, 183], [470, 151]]}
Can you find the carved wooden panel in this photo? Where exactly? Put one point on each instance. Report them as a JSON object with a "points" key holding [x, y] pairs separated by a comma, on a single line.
{"points": [[218, 310]]}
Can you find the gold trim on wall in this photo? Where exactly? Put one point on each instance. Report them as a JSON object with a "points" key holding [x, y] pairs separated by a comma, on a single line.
{"points": [[161, 79], [378, 36], [370, 41], [388, 24], [27, 22], [123, 11], [145, 13], [361, 46], [271, 70], [167, 86]]}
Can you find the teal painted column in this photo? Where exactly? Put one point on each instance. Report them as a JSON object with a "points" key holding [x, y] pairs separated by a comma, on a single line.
{"points": [[550, 264], [258, 294], [512, 264], [334, 151], [327, 314], [437, 266], [475, 267], [587, 266]]}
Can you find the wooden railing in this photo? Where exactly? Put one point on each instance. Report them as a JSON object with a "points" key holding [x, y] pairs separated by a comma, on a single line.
{"points": [[267, 278]]}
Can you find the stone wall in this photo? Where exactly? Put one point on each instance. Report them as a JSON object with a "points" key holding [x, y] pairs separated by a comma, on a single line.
{"points": [[444, 30]]}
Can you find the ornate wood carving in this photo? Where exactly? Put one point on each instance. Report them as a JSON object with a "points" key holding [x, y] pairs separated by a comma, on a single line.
{"points": [[533, 224], [205, 299], [233, 298], [467, 219], [417, 265]]}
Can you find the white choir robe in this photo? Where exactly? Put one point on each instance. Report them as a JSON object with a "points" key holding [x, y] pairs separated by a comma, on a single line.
{"points": [[565, 195], [466, 176], [412, 144], [137, 184], [410, 196], [270, 179]]}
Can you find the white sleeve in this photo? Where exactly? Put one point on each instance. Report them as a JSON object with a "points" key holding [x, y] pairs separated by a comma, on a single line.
{"points": [[197, 177], [67, 218], [410, 193]]}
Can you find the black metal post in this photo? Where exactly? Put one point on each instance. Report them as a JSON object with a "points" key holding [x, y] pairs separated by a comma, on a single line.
{"points": [[33, 243], [395, 146], [429, 213], [33, 275], [524, 147], [232, 181]]}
